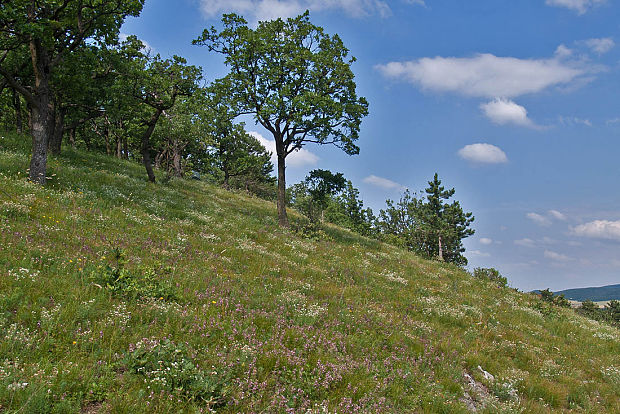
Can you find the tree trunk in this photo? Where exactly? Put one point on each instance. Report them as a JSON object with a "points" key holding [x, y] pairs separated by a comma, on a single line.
{"points": [[55, 143], [158, 158], [440, 250], [72, 137], [125, 148], [106, 137], [41, 111], [226, 179], [40, 133], [29, 112], [146, 146], [119, 148], [176, 159], [17, 104], [282, 217]]}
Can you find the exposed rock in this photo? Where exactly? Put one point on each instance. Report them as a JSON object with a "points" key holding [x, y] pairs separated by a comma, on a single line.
{"points": [[476, 394]]}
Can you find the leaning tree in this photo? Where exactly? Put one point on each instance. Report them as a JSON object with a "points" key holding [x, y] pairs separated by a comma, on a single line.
{"points": [[297, 82]]}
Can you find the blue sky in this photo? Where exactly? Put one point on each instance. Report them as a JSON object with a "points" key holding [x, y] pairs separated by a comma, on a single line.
{"points": [[516, 104]]}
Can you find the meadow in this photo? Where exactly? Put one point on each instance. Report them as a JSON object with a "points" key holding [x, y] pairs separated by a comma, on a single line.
{"points": [[122, 296]]}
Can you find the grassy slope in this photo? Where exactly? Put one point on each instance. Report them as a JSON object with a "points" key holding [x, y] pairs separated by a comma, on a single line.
{"points": [[344, 324]]}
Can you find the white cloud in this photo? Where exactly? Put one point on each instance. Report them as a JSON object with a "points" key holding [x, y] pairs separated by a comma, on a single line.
{"points": [[599, 229], [563, 52], [613, 121], [558, 257], [601, 45], [557, 215], [299, 158], [504, 111], [147, 47], [483, 154], [486, 241], [573, 121], [383, 183], [580, 6], [486, 75], [478, 253], [271, 9], [538, 219], [526, 243]]}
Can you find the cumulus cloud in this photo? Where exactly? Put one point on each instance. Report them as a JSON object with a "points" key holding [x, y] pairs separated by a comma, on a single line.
{"points": [[579, 6], [539, 219], [483, 154], [599, 229], [485, 75], [558, 257], [271, 9], [504, 111], [486, 241], [383, 183], [601, 45], [563, 52], [299, 158]]}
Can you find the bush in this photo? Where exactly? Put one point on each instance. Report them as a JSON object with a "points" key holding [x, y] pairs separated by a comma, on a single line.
{"points": [[557, 300], [121, 281], [166, 366], [492, 275]]}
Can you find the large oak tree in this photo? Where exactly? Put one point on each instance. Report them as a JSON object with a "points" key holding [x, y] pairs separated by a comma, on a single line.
{"points": [[297, 82]]}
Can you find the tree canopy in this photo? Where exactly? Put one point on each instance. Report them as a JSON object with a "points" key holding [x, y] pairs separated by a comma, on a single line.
{"points": [[50, 30], [297, 82]]}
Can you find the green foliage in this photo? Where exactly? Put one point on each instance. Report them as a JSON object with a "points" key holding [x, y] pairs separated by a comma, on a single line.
{"points": [[142, 284], [313, 195], [431, 227], [546, 295], [347, 210], [491, 275], [613, 308], [295, 79], [166, 365], [557, 300], [589, 306], [285, 321]]}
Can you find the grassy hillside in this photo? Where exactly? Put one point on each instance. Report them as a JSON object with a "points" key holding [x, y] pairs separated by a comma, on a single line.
{"points": [[595, 294], [121, 296]]}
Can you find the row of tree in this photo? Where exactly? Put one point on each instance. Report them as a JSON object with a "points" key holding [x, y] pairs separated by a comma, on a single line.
{"points": [[66, 76], [431, 226], [64, 69]]}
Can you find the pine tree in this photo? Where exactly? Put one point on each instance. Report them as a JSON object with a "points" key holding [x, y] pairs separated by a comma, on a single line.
{"points": [[444, 225]]}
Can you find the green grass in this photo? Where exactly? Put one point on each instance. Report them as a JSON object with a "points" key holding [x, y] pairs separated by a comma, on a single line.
{"points": [[219, 309]]}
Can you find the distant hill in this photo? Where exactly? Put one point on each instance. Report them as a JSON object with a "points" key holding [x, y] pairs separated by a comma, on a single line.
{"points": [[595, 294]]}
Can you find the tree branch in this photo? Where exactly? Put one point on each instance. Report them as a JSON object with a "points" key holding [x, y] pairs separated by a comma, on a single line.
{"points": [[29, 97]]}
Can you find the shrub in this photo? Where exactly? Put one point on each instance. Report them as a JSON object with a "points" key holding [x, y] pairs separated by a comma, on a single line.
{"points": [[492, 275], [557, 300], [122, 281], [166, 366], [589, 306]]}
